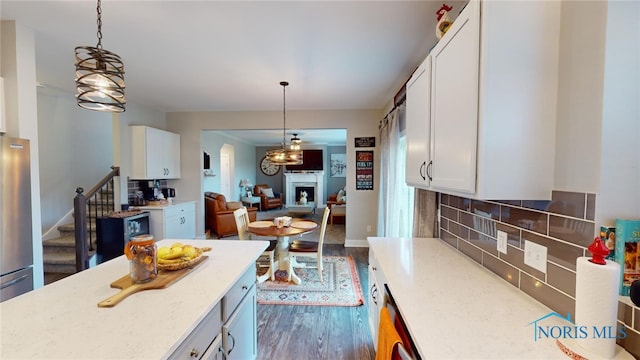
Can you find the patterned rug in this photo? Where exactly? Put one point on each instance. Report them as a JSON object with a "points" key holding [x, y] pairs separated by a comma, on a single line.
{"points": [[341, 286]]}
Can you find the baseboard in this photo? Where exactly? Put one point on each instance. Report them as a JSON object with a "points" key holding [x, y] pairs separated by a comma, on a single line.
{"points": [[356, 243], [53, 232]]}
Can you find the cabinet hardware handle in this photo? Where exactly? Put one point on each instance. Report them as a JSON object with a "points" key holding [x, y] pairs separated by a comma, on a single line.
{"points": [[245, 287], [429, 170], [374, 268], [194, 353], [422, 175], [233, 344], [374, 294]]}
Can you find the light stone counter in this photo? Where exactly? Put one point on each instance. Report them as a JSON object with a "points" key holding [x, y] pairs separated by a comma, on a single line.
{"points": [[63, 321], [454, 308], [160, 207]]}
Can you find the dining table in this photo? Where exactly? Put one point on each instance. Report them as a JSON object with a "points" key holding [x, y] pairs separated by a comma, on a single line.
{"points": [[283, 235]]}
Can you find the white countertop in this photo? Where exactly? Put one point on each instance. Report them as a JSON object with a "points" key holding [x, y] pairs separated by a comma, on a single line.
{"points": [[160, 207], [63, 321], [456, 309]]}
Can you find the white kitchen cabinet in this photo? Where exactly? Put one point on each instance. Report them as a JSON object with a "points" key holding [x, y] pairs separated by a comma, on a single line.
{"points": [[177, 221], [155, 153], [239, 313], [229, 331], [376, 297], [418, 119], [214, 352], [493, 101], [203, 338]]}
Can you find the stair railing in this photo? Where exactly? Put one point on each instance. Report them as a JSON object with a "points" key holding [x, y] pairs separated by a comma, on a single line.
{"points": [[82, 211]]}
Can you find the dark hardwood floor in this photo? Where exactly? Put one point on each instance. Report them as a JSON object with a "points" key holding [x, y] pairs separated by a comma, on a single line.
{"points": [[318, 332]]}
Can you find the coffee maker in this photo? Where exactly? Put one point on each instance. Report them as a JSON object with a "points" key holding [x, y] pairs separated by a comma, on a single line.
{"points": [[168, 192], [150, 189]]}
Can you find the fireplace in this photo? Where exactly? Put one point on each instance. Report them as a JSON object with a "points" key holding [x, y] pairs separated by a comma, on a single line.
{"points": [[310, 192], [311, 182]]}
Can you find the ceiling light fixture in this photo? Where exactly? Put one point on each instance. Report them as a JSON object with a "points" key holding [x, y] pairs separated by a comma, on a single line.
{"points": [[295, 142], [99, 76], [284, 156]]}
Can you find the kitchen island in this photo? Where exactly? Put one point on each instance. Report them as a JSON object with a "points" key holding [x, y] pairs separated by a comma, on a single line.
{"points": [[452, 307], [63, 320]]}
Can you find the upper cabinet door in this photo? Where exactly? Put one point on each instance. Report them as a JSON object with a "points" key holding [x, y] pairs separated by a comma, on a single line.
{"points": [[155, 153], [172, 155], [454, 104], [418, 118], [155, 168]]}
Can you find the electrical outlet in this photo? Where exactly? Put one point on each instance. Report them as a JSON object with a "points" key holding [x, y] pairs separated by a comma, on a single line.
{"points": [[502, 242], [535, 255], [368, 228]]}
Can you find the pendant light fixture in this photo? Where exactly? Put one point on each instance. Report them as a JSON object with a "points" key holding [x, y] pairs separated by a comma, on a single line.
{"points": [[295, 142], [284, 156], [99, 76]]}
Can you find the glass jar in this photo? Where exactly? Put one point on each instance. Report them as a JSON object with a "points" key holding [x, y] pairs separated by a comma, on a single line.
{"points": [[142, 254]]}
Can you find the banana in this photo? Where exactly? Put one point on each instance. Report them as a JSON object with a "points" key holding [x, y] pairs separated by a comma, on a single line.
{"points": [[169, 261]]}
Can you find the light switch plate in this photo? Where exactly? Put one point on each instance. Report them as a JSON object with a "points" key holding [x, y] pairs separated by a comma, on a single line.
{"points": [[535, 255], [502, 242]]}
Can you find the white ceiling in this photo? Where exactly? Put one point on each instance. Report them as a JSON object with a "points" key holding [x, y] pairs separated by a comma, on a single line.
{"points": [[231, 55]]}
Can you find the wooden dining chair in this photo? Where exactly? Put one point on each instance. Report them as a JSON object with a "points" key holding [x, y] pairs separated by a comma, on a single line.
{"points": [[242, 223], [312, 249]]}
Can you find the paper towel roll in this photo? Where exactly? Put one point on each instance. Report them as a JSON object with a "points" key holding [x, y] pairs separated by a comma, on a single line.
{"points": [[597, 305]]}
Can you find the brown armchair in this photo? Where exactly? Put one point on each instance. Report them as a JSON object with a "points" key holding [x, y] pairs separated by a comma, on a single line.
{"points": [[266, 202], [218, 214]]}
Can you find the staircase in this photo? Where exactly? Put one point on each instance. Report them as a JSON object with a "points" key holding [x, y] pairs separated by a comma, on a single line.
{"points": [[59, 254]]}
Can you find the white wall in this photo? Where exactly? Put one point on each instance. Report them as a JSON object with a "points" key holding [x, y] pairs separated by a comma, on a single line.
{"points": [[619, 195], [359, 123], [581, 74], [75, 151]]}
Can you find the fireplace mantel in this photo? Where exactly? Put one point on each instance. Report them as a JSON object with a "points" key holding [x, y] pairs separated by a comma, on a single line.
{"points": [[315, 179]]}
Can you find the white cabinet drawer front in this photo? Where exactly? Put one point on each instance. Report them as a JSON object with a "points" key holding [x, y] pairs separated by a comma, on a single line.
{"points": [[178, 210], [237, 292], [201, 338]]}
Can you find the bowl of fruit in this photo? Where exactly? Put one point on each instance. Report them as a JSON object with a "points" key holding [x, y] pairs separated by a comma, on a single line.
{"points": [[179, 256]]}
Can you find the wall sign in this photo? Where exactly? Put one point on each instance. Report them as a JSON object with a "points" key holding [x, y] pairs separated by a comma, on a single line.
{"points": [[366, 141], [364, 170]]}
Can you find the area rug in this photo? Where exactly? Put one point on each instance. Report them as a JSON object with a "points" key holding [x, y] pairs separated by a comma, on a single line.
{"points": [[341, 286]]}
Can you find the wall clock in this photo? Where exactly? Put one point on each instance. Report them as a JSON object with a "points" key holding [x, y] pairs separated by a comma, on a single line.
{"points": [[269, 168]]}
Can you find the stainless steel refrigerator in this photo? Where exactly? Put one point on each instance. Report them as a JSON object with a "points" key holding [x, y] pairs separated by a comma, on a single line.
{"points": [[16, 246]]}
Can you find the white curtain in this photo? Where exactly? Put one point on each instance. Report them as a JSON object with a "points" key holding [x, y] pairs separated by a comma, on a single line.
{"points": [[395, 217]]}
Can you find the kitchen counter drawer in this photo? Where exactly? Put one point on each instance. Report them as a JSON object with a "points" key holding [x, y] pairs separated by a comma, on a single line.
{"points": [[237, 292], [201, 337], [178, 210]]}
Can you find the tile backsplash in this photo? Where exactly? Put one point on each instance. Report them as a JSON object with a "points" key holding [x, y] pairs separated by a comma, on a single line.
{"points": [[565, 225]]}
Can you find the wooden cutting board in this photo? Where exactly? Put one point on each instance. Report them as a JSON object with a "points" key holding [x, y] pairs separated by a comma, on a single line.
{"points": [[164, 279]]}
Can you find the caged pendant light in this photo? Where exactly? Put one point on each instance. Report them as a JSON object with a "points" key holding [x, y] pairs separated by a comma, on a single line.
{"points": [[99, 76], [295, 142], [284, 155]]}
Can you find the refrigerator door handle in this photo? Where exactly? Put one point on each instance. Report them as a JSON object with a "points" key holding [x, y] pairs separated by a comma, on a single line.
{"points": [[13, 282]]}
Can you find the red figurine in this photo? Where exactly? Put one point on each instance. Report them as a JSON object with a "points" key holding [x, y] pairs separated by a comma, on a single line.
{"points": [[599, 251]]}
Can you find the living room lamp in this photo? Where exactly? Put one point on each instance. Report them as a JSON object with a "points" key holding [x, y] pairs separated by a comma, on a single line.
{"points": [[99, 76], [284, 155]]}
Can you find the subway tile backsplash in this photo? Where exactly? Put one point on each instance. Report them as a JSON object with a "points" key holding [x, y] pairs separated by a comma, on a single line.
{"points": [[565, 225]]}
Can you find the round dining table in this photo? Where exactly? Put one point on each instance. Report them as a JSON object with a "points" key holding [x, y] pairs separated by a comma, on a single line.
{"points": [[283, 234]]}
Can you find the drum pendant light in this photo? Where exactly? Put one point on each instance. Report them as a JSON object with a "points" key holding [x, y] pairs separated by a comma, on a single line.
{"points": [[99, 76], [284, 155]]}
